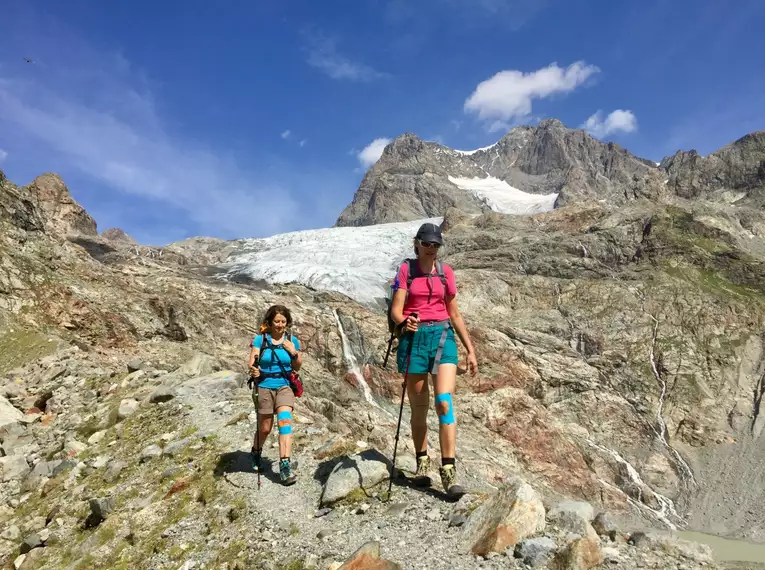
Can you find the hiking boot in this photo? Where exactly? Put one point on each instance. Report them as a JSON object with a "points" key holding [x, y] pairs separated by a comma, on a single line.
{"points": [[423, 466], [449, 482], [285, 472], [421, 475]]}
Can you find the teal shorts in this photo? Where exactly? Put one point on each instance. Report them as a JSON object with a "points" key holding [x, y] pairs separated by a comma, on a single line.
{"points": [[424, 349]]}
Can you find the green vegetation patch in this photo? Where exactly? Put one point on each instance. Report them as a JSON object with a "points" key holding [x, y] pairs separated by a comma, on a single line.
{"points": [[20, 347]]}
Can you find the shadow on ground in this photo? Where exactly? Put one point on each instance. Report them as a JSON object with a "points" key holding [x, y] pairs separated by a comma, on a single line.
{"points": [[241, 462]]}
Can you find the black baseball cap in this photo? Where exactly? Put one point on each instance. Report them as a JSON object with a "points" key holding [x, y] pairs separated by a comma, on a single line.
{"points": [[430, 233]]}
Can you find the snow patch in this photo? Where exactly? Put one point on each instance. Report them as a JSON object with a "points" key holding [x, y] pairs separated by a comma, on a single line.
{"points": [[469, 152], [355, 261], [503, 198]]}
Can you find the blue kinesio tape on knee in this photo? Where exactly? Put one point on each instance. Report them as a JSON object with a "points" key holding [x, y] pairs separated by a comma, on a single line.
{"points": [[448, 417], [284, 421]]}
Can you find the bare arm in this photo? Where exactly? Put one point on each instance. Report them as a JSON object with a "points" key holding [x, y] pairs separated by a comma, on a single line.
{"points": [[459, 323], [397, 311], [397, 306], [296, 359]]}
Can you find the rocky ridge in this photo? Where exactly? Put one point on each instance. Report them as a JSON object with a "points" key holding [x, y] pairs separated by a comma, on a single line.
{"points": [[414, 179], [621, 353]]}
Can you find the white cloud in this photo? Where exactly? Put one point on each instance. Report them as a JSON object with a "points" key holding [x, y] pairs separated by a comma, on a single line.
{"points": [[3, 155], [323, 55], [372, 152], [509, 94], [286, 134], [113, 134], [303, 142], [619, 120]]}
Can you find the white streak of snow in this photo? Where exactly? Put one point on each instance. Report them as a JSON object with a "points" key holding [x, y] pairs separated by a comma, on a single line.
{"points": [[503, 198], [662, 435], [353, 364], [355, 261], [666, 506], [469, 152]]}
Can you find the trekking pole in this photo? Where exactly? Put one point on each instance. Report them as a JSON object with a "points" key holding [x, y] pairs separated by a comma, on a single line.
{"points": [[256, 399], [400, 412], [387, 353]]}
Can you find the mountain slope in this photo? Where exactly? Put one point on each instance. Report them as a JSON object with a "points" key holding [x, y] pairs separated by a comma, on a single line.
{"points": [[621, 351], [416, 179], [733, 174]]}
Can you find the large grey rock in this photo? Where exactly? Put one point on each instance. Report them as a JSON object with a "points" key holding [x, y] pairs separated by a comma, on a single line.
{"points": [[200, 365], [574, 517], [162, 394], [127, 408], [13, 468], [8, 414], [361, 471], [513, 513], [30, 542], [100, 508], [535, 552], [150, 452]]}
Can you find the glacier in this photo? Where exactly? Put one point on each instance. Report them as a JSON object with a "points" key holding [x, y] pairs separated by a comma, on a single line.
{"points": [[503, 198], [355, 261], [359, 261]]}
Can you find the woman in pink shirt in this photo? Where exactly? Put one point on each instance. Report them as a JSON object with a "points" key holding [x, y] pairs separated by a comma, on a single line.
{"points": [[425, 306]]}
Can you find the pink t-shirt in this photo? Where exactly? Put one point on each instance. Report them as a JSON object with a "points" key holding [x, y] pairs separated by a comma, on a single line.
{"points": [[426, 296]]}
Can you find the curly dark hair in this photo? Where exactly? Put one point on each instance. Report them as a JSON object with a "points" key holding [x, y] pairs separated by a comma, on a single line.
{"points": [[271, 313]]}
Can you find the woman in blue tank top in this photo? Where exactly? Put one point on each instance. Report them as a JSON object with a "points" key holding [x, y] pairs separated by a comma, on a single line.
{"points": [[273, 357]]}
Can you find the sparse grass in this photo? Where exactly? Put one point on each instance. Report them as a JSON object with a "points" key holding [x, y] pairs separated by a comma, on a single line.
{"points": [[188, 432], [713, 283], [21, 347], [297, 564], [294, 529]]}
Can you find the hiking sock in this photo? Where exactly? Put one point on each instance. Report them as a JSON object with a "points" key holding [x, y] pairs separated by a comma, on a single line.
{"points": [[421, 454], [447, 461]]}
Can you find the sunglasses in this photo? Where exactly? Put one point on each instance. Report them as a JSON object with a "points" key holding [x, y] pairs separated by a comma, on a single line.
{"points": [[429, 245]]}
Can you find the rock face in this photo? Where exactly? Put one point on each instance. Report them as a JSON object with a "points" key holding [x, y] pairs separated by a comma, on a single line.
{"points": [[734, 174], [118, 235], [61, 213], [412, 178]]}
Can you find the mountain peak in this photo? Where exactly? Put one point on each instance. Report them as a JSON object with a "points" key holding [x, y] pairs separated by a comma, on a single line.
{"points": [[551, 123], [118, 235], [529, 168], [62, 214]]}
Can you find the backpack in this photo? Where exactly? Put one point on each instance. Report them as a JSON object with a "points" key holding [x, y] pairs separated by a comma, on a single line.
{"points": [[296, 383], [413, 273]]}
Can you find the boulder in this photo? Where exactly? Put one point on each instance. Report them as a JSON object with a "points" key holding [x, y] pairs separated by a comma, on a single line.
{"points": [[581, 554], [360, 471], [13, 468], [535, 552], [8, 414], [127, 408], [515, 512], [367, 557]]}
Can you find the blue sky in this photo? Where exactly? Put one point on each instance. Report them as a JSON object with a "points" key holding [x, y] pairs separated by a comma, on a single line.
{"points": [[243, 119]]}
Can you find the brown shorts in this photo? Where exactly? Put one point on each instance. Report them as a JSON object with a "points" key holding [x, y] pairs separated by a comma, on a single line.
{"points": [[271, 400]]}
